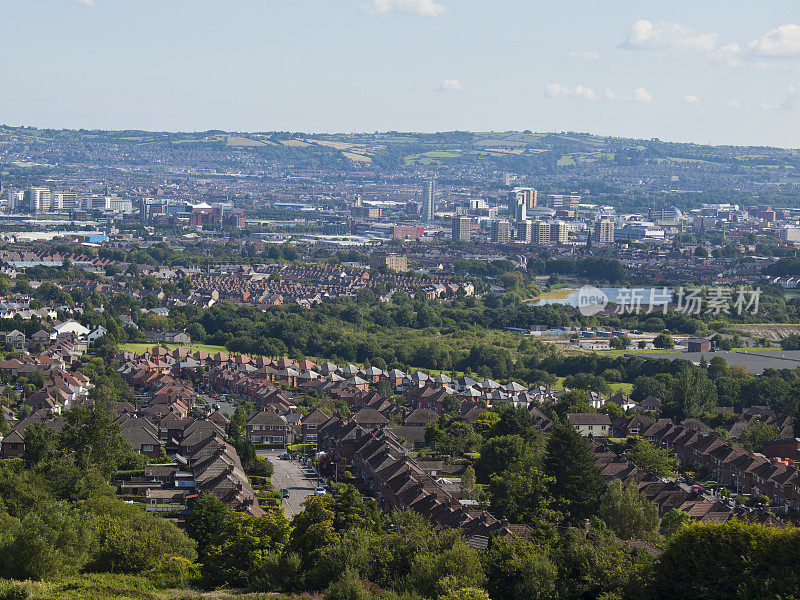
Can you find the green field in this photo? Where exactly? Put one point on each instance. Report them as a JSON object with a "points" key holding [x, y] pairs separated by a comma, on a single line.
{"points": [[139, 348]]}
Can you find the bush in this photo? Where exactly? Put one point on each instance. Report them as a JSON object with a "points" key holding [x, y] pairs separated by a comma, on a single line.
{"points": [[15, 592]]}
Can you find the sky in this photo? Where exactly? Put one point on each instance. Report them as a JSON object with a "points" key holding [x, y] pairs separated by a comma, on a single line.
{"points": [[709, 71]]}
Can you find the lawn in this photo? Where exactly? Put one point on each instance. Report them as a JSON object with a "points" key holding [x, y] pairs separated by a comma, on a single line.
{"points": [[138, 348], [625, 388]]}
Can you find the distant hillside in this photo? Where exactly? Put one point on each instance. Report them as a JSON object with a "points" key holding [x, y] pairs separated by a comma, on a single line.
{"points": [[634, 172]]}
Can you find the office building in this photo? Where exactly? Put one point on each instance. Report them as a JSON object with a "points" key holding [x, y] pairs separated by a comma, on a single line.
{"points": [[603, 232], [517, 207], [39, 199], [64, 201], [404, 232], [16, 200], [790, 234], [501, 232], [527, 196], [562, 200], [429, 201], [462, 229]]}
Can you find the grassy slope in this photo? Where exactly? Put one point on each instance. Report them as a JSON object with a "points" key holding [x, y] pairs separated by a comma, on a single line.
{"points": [[137, 348], [120, 587]]}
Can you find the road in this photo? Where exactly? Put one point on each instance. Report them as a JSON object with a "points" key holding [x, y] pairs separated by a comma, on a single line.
{"points": [[299, 479]]}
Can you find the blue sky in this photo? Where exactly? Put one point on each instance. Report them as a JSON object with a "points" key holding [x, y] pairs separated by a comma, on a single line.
{"points": [[709, 71]]}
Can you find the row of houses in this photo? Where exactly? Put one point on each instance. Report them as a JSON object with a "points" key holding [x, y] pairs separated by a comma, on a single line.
{"points": [[738, 469], [397, 481], [204, 463]]}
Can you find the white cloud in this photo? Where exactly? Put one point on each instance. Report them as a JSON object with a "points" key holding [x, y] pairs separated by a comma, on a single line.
{"points": [[610, 95], [733, 104], [555, 90], [450, 85], [585, 93], [86, 2], [584, 55], [671, 37], [781, 42], [420, 8], [641, 95], [692, 100]]}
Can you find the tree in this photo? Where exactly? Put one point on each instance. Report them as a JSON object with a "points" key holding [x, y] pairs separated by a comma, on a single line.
{"points": [[313, 531], [457, 439], [651, 459], [629, 514], [93, 437], [468, 488], [501, 454], [664, 341], [574, 401], [717, 561], [692, 393], [207, 523], [49, 542], [576, 482], [519, 570], [620, 342], [523, 495], [128, 540], [756, 434], [41, 444], [673, 521]]}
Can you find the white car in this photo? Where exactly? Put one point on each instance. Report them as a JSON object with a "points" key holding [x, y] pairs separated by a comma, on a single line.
{"points": [[320, 491]]}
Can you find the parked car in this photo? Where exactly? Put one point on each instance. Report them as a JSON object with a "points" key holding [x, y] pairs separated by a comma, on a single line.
{"points": [[320, 491], [285, 456], [285, 493]]}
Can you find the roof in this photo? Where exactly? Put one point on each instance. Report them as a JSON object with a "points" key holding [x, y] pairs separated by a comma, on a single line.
{"points": [[588, 419]]}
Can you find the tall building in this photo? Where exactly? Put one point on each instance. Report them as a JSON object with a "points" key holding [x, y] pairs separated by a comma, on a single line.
{"points": [[517, 208], [38, 199], [429, 201], [501, 232], [527, 196], [462, 229], [541, 233], [16, 200], [559, 234], [603, 232], [524, 231]]}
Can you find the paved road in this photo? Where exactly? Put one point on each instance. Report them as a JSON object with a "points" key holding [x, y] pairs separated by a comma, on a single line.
{"points": [[299, 479]]}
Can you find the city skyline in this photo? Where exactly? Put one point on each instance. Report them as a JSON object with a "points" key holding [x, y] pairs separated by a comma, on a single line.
{"points": [[717, 73]]}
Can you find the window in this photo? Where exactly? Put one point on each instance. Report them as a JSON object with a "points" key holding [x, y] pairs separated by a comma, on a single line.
{"points": [[311, 426], [277, 439], [147, 447]]}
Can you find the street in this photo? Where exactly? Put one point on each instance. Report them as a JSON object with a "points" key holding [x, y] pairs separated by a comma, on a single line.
{"points": [[299, 479]]}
